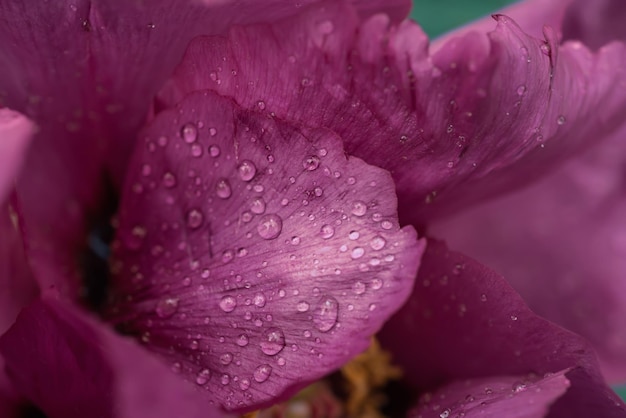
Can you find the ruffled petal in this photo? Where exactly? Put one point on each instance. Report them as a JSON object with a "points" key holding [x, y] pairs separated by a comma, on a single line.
{"points": [[464, 321], [16, 132], [452, 128], [253, 254], [511, 397], [562, 244], [595, 23], [84, 370]]}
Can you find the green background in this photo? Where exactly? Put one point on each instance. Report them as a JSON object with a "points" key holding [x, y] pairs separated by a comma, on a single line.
{"points": [[439, 16]]}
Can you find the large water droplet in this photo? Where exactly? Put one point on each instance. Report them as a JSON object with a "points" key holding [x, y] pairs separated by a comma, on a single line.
{"points": [[203, 377], [189, 133], [228, 303], [325, 315], [244, 384], [327, 231], [226, 359], [357, 253], [359, 288], [259, 300], [302, 306], [270, 226], [194, 218], [169, 180], [378, 243], [257, 206], [167, 307], [246, 170], [225, 379], [242, 340], [274, 342], [359, 208], [262, 373], [214, 151], [223, 189], [311, 163]]}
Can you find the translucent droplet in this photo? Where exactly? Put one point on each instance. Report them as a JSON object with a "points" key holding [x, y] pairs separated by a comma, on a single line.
{"points": [[378, 243], [377, 284], [311, 163], [242, 340], [302, 306], [167, 307], [386, 225], [169, 180], [357, 253], [561, 120], [274, 342], [225, 379], [359, 208], [194, 218], [262, 373], [228, 303], [212, 131], [258, 206], [196, 150], [227, 256], [259, 300], [203, 377], [325, 315], [223, 189], [246, 170], [359, 288], [445, 414], [244, 384], [189, 133], [518, 387], [270, 226], [214, 151], [521, 90], [226, 359], [354, 235], [295, 240], [327, 231]]}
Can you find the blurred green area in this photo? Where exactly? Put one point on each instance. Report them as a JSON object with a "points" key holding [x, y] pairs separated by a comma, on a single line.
{"points": [[440, 16]]}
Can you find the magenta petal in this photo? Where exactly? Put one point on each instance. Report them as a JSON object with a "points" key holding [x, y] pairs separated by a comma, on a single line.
{"points": [[464, 321], [562, 244], [70, 366], [15, 134], [595, 23], [452, 127], [253, 255], [510, 397]]}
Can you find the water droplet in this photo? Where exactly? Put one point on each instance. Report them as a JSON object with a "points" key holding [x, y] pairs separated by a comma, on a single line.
{"points": [[274, 342], [212, 131], [214, 151], [386, 225], [226, 359], [167, 307], [169, 180], [225, 379], [194, 218], [325, 315], [189, 133], [227, 256], [228, 303], [357, 253], [196, 150], [518, 387], [359, 288], [358, 208], [327, 231], [445, 414], [378, 243], [259, 300], [483, 297], [258, 206], [270, 226], [311, 163], [262, 373], [561, 120], [244, 384], [521, 90], [377, 284], [242, 340], [261, 104], [302, 306], [203, 377], [223, 189], [354, 235], [247, 170]]}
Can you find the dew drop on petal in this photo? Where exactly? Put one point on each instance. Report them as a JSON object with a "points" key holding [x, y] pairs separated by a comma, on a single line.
{"points": [[228, 303], [214, 151], [274, 342], [327, 231], [246, 170], [223, 189], [270, 226], [359, 288], [386, 225], [259, 300], [169, 180], [302, 306], [196, 150], [258, 206], [203, 377], [262, 373], [377, 284], [357, 253], [225, 379], [189, 133], [378, 243], [561, 120], [194, 218], [166, 307], [359, 208], [242, 340], [325, 315], [311, 163], [244, 384], [226, 359]]}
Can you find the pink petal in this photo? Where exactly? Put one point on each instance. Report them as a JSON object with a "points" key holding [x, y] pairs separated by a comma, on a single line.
{"points": [[562, 244], [15, 134], [84, 370], [510, 397], [253, 254], [595, 23], [452, 127], [464, 321]]}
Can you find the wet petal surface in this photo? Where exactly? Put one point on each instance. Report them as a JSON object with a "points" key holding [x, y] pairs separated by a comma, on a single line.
{"points": [[15, 133], [84, 370], [453, 127], [255, 255], [464, 321]]}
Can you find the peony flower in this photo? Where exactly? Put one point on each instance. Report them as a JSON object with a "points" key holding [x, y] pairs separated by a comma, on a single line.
{"points": [[274, 206]]}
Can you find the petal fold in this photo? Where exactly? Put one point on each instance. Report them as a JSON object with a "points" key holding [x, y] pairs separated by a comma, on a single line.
{"points": [[16, 132], [252, 254], [453, 127], [84, 370], [463, 321]]}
